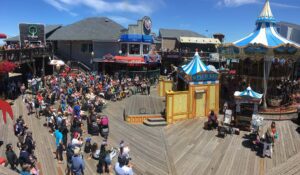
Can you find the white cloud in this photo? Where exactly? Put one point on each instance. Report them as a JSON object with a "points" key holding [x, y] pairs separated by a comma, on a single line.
{"points": [[122, 20], [284, 5], [237, 3], [60, 7], [102, 6]]}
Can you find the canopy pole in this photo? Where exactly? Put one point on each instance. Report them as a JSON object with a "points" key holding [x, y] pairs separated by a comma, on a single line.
{"points": [[267, 68]]}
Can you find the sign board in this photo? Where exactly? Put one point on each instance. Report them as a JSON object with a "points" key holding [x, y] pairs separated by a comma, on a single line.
{"points": [[202, 76], [147, 25], [32, 34], [209, 76]]}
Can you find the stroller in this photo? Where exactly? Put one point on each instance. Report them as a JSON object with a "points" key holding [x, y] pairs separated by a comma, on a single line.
{"points": [[103, 125], [226, 128], [256, 123]]}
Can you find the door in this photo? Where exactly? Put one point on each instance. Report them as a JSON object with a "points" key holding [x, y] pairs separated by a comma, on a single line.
{"points": [[200, 104]]}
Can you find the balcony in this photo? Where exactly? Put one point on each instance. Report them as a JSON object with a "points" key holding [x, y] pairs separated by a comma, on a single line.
{"points": [[24, 55]]}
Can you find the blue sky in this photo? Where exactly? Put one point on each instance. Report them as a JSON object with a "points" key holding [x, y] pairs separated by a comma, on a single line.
{"points": [[234, 18]]}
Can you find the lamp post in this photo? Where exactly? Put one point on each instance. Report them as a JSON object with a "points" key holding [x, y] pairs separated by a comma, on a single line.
{"points": [[92, 54]]}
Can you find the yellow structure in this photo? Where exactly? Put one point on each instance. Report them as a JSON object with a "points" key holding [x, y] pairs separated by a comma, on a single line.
{"points": [[164, 86], [199, 98]]}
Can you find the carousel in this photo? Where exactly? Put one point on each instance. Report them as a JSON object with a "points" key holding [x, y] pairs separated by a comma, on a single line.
{"points": [[267, 60]]}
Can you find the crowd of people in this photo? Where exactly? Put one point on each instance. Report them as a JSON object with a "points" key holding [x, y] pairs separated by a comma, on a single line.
{"points": [[68, 103]]}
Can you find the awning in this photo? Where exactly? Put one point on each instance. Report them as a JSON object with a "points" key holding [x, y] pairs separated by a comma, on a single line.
{"points": [[130, 59], [3, 36], [248, 93], [13, 74], [136, 38], [199, 40]]}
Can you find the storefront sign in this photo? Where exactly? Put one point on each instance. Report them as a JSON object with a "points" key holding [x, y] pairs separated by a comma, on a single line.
{"points": [[32, 34]]}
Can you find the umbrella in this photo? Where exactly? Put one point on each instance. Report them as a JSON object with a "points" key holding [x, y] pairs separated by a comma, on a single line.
{"points": [[57, 62], [3, 36]]}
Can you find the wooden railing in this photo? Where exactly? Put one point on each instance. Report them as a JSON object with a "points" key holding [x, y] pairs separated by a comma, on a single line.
{"points": [[19, 55]]}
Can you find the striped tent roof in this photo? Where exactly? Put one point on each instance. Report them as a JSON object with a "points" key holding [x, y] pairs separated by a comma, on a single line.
{"points": [[265, 32], [248, 93], [195, 66]]}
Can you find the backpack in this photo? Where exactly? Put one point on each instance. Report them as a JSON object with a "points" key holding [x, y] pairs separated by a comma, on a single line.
{"points": [[70, 153], [104, 121], [15, 129], [87, 147]]}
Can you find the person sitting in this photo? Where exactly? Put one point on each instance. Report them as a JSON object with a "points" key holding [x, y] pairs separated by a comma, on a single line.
{"points": [[212, 122]]}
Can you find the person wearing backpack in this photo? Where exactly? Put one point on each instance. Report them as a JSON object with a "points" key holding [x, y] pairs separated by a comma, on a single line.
{"points": [[20, 131]]}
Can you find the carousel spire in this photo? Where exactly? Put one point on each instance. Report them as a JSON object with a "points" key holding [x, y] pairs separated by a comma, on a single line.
{"points": [[266, 14]]}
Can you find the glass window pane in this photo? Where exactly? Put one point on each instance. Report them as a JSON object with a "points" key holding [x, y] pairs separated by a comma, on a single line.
{"points": [[84, 47], [91, 48], [134, 49], [146, 49], [124, 49]]}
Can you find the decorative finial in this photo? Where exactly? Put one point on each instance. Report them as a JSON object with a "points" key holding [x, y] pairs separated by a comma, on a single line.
{"points": [[196, 53]]}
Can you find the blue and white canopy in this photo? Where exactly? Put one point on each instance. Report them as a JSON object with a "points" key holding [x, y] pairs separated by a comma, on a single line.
{"points": [[265, 32], [248, 93], [195, 66]]}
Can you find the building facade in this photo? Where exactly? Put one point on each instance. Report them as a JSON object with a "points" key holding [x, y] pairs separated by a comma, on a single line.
{"points": [[289, 31]]}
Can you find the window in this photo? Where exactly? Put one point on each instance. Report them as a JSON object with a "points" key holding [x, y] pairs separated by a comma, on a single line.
{"points": [[146, 49], [124, 49], [91, 49], [84, 47], [134, 49]]}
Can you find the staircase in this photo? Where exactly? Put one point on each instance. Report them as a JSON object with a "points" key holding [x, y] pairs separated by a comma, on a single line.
{"points": [[156, 122]]}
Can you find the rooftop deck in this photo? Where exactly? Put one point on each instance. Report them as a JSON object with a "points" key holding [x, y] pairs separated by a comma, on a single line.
{"points": [[181, 148]]}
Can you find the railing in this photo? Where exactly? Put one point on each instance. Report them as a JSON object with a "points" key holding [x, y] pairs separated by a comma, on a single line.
{"points": [[183, 54], [24, 54], [80, 66]]}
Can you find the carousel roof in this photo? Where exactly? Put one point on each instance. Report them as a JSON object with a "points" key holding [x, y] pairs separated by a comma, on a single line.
{"points": [[195, 66], [265, 32], [248, 93]]}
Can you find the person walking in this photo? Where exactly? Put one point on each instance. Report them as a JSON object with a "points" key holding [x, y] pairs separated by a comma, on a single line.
{"points": [[11, 157], [148, 86], [29, 143], [59, 145]]}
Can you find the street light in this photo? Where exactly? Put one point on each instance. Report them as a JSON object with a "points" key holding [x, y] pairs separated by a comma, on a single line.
{"points": [[92, 54]]}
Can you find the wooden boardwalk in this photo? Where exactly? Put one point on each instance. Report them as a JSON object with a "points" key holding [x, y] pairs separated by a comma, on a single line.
{"points": [[142, 104], [180, 149], [197, 151]]}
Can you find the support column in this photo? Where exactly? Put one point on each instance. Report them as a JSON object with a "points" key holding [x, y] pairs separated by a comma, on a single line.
{"points": [[43, 73]]}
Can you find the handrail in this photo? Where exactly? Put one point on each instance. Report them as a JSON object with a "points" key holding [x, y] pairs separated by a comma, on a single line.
{"points": [[78, 64]]}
